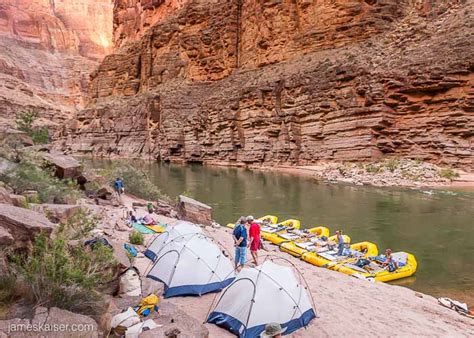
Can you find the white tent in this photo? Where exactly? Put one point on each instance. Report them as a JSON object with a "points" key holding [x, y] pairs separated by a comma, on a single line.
{"points": [[179, 231], [191, 265], [269, 293]]}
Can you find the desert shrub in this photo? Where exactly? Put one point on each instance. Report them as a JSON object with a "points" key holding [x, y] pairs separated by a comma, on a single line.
{"points": [[372, 168], [24, 122], [79, 225], [448, 173], [392, 164], [28, 176], [135, 237], [136, 182], [7, 289], [62, 275]]}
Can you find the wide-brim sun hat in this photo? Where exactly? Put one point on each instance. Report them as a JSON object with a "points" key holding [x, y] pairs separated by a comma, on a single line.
{"points": [[272, 329]]}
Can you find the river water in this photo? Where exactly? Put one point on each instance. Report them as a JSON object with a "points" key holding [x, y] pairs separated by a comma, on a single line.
{"points": [[437, 226]]}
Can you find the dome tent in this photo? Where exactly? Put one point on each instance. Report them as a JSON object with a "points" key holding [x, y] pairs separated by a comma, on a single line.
{"points": [[191, 264], [268, 293], [179, 231]]}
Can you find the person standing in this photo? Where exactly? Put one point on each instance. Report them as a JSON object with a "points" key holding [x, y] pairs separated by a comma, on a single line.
{"points": [[340, 243], [254, 238], [240, 242], [119, 186]]}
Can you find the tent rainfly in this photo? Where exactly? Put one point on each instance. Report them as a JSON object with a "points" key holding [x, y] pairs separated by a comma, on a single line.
{"points": [[179, 231], [191, 265], [268, 293]]}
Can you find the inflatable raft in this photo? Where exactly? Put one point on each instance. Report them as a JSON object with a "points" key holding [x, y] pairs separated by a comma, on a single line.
{"points": [[274, 232], [300, 246], [270, 219], [406, 262], [327, 256], [292, 234]]}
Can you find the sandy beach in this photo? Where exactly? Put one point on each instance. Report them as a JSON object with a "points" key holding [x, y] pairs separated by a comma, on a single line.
{"points": [[346, 306]]}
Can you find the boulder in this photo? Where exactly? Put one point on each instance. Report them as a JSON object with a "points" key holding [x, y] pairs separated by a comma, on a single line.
{"points": [[120, 254], [24, 224], [6, 238], [194, 211], [58, 213], [65, 166], [5, 196], [107, 193], [164, 208], [18, 200], [61, 323]]}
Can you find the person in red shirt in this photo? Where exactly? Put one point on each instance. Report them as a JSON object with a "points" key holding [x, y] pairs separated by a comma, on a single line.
{"points": [[254, 238]]}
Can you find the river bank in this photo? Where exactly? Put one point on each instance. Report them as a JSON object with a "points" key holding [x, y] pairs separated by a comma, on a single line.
{"points": [[345, 305], [395, 172]]}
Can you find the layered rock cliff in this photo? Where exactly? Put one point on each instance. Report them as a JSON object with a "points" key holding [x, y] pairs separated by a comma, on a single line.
{"points": [[48, 48], [284, 82]]}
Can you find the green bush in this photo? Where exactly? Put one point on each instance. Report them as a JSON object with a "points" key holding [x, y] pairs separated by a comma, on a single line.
{"points": [[372, 168], [7, 289], [79, 225], [24, 122], [136, 182], [448, 173], [28, 176], [392, 164], [136, 238], [62, 275]]}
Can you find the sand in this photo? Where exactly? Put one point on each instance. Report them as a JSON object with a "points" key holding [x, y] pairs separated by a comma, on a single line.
{"points": [[346, 306]]}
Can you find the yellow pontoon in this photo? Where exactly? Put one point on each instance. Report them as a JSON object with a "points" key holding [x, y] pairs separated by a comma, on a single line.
{"points": [[327, 257], [272, 232], [267, 218], [406, 263], [300, 246]]}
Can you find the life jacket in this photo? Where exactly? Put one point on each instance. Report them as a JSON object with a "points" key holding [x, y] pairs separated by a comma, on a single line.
{"points": [[148, 305]]}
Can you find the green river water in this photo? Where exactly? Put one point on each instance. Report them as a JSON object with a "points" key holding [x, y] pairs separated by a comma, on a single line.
{"points": [[437, 226]]}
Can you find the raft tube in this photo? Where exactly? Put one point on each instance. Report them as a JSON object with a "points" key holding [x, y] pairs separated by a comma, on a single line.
{"points": [[272, 235], [298, 248], [272, 219], [287, 236], [383, 275], [329, 259]]}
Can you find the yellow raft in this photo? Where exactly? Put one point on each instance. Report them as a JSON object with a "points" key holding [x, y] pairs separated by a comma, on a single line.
{"points": [[299, 247], [375, 270], [328, 258], [286, 235], [267, 218], [274, 232]]}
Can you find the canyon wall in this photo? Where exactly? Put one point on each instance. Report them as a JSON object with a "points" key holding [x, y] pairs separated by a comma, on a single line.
{"points": [[48, 48], [286, 82]]}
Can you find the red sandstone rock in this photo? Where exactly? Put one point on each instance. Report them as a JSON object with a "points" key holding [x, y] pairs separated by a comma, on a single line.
{"points": [[282, 82], [46, 48], [194, 211], [64, 166], [23, 224]]}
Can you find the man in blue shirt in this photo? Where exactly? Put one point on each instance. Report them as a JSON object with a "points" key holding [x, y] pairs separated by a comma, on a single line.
{"points": [[240, 242], [118, 185]]}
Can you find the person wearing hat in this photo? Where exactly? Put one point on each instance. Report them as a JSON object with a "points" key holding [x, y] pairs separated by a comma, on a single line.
{"points": [[240, 242], [254, 238], [272, 330]]}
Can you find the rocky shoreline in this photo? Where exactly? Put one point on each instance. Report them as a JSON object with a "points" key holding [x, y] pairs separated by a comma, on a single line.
{"points": [[345, 305]]}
